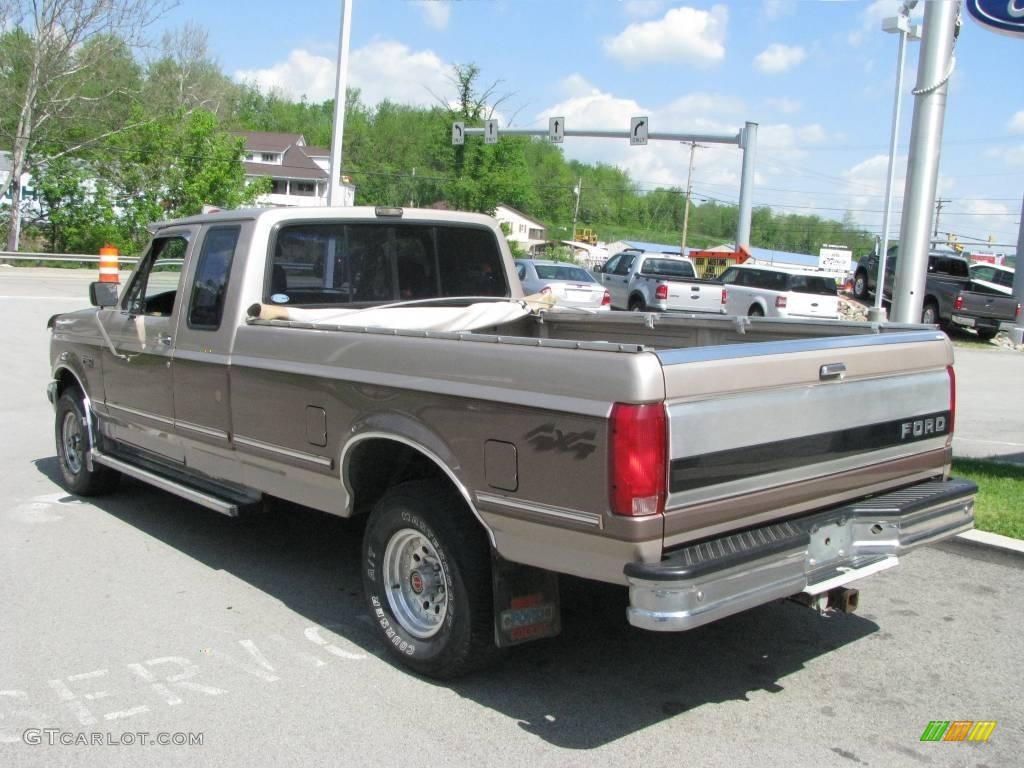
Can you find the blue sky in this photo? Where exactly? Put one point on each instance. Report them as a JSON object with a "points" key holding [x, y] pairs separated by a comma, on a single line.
{"points": [[817, 76]]}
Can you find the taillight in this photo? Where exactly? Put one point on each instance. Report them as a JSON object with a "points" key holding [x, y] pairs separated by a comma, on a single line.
{"points": [[958, 303], [780, 302], [637, 447], [1017, 312], [546, 289], [607, 300], [952, 397], [661, 293], [725, 295]]}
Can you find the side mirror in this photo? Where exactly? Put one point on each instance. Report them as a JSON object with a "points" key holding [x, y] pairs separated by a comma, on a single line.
{"points": [[103, 294]]}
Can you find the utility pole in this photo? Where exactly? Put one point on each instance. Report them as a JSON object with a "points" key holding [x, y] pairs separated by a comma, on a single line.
{"points": [[576, 210], [689, 187], [940, 202]]}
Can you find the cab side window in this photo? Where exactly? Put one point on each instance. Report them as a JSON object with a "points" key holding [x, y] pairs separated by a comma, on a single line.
{"points": [[211, 282], [154, 288], [622, 268]]}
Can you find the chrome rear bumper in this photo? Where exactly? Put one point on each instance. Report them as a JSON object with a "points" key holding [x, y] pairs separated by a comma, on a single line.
{"points": [[816, 553]]}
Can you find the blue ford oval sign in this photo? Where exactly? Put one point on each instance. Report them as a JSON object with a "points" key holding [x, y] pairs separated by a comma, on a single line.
{"points": [[1005, 16]]}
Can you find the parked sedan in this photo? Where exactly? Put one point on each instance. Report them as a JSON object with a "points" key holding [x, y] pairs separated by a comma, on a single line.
{"points": [[572, 285]]}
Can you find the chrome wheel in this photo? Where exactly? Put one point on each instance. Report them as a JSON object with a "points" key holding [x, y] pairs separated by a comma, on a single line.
{"points": [[72, 439], [416, 581]]}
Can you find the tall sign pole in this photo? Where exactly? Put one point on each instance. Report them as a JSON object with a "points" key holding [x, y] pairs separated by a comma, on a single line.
{"points": [[1017, 334], [902, 26], [689, 189], [934, 68], [340, 89]]}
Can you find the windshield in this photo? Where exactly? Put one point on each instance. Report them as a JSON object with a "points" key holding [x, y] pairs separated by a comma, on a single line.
{"points": [[563, 272]]}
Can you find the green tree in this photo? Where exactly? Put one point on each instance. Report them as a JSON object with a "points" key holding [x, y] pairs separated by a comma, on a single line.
{"points": [[57, 84]]}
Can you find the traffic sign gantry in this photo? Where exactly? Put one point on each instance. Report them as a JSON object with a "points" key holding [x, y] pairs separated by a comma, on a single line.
{"points": [[556, 129], [637, 131]]}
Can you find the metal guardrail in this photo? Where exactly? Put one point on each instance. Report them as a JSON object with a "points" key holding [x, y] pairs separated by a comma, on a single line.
{"points": [[81, 258]]}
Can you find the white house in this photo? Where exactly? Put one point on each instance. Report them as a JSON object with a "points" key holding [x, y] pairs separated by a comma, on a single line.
{"points": [[299, 173], [524, 230]]}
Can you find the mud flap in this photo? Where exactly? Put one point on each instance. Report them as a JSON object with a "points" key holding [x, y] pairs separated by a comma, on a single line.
{"points": [[526, 605]]}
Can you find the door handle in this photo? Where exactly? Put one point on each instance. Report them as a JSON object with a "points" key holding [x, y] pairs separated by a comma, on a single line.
{"points": [[165, 338]]}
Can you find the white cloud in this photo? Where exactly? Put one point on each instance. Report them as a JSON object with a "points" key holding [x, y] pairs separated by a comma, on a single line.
{"points": [[1012, 157], [784, 105], [1016, 123], [777, 58], [381, 70], [878, 10], [437, 13], [683, 35], [640, 9], [301, 74], [774, 10]]}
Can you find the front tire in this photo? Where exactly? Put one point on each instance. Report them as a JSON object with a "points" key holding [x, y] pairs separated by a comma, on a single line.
{"points": [[427, 578], [73, 446]]}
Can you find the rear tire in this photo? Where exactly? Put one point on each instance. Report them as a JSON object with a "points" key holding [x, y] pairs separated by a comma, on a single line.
{"points": [[860, 286], [73, 446], [427, 578], [985, 334], [636, 304], [755, 311], [930, 314]]}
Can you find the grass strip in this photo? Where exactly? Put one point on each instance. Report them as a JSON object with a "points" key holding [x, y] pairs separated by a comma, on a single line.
{"points": [[1000, 503]]}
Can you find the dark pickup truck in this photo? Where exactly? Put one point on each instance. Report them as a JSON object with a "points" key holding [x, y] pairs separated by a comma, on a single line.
{"points": [[951, 296]]}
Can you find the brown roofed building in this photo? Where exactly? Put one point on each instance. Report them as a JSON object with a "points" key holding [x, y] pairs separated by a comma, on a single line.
{"points": [[299, 173]]}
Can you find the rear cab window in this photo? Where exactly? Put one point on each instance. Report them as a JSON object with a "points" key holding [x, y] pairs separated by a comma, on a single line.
{"points": [[318, 263]]}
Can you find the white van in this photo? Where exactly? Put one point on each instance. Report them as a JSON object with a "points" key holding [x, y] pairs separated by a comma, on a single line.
{"points": [[764, 291]]}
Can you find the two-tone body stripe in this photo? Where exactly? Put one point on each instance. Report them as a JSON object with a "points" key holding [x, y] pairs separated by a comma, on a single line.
{"points": [[726, 466]]}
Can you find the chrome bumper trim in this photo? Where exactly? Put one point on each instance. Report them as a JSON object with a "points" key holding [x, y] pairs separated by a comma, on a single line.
{"points": [[822, 551]]}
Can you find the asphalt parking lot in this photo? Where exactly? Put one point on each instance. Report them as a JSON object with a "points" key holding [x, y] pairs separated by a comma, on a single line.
{"points": [[139, 613]]}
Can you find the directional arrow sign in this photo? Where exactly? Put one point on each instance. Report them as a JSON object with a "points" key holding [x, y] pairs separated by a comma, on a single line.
{"points": [[458, 134], [491, 132], [556, 129], [637, 130]]}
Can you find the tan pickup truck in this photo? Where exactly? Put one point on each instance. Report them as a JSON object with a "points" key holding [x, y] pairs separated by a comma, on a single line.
{"points": [[384, 362]]}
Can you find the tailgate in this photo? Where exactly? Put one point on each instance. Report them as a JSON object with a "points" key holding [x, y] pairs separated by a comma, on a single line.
{"points": [[812, 305], [694, 297], [763, 431], [987, 305]]}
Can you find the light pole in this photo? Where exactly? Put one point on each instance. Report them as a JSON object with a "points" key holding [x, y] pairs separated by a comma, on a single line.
{"points": [[902, 26], [340, 89]]}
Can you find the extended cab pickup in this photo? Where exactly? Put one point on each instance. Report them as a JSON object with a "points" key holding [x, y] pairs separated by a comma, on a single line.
{"points": [[641, 281], [384, 363], [952, 297]]}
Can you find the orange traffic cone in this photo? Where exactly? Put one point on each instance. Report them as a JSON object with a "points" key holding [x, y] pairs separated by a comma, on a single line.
{"points": [[108, 264]]}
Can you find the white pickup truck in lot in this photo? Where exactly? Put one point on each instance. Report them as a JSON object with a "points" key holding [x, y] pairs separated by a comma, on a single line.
{"points": [[384, 363], [658, 282]]}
